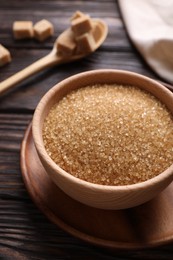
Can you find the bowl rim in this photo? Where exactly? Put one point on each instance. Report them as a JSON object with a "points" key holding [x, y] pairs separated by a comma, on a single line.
{"points": [[38, 140]]}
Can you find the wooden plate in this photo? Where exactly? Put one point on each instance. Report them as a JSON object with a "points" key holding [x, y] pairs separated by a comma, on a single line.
{"points": [[147, 225]]}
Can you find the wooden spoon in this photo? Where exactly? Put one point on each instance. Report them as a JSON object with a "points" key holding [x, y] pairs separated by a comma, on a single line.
{"points": [[50, 60]]}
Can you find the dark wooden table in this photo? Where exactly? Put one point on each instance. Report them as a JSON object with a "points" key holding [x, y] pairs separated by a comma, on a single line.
{"points": [[25, 233]]}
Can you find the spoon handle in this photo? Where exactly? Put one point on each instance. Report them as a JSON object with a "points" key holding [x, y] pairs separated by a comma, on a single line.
{"points": [[45, 62]]}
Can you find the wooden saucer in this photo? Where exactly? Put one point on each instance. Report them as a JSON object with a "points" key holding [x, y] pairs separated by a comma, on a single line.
{"points": [[147, 225]]}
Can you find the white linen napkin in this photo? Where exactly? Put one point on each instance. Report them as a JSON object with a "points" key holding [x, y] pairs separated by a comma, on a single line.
{"points": [[150, 26]]}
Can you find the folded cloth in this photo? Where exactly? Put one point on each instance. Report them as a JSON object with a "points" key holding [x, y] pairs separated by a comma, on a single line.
{"points": [[150, 26]]}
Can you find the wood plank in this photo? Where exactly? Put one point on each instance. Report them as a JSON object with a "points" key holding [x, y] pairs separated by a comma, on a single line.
{"points": [[25, 233]]}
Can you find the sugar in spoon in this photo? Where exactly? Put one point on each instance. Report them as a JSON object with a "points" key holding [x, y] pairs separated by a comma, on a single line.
{"points": [[52, 59]]}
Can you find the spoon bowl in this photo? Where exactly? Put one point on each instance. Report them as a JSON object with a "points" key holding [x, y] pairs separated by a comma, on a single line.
{"points": [[52, 59]]}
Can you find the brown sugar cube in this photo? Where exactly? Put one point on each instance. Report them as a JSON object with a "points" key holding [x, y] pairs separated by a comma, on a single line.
{"points": [[96, 31], [81, 25], [23, 29], [66, 43], [85, 43], [5, 56], [43, 30], [76, 15]]}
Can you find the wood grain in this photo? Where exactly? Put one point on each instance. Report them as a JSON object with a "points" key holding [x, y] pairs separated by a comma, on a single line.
{"points": [[25, 233]]}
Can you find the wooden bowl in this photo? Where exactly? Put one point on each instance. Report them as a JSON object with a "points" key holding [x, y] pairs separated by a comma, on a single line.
{"points": [[95, 195]]}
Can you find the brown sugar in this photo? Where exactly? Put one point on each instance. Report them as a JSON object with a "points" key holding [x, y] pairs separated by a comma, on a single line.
{"points": [[110, 135], [82, 36], [23, 29], [66, 43], [85, 43], [5, 56], [43, 30], [81, 25]]}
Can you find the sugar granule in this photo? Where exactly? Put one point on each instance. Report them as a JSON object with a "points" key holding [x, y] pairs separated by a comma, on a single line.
{"points": [[110, 134]]}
